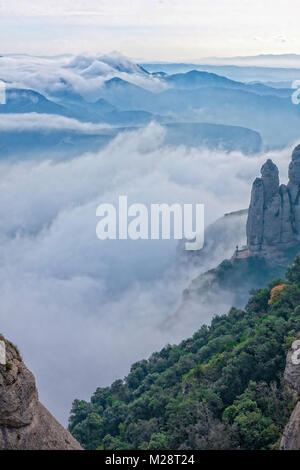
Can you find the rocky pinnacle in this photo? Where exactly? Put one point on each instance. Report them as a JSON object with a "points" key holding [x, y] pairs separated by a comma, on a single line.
{"points": [[273, 223]]}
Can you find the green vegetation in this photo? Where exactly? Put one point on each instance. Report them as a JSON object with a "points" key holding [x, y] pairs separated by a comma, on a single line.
{"points": [[12, 345], [221, 389]]}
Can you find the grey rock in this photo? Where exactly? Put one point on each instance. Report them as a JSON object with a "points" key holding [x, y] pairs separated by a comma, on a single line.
{"points": [[25, 424], [287, 234], [291, 435], [273, 223], [270, 179], [292, 370], [255, 221], [294, 167], [293, 187], [264, 216]]}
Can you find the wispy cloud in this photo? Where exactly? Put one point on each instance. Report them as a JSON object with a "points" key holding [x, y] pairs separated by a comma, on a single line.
{"points": [[47, 122], [83, 74]]}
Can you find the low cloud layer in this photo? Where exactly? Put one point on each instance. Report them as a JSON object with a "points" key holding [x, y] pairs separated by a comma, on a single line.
{"points": [[82, 74], [80, 309], [47, 123]]}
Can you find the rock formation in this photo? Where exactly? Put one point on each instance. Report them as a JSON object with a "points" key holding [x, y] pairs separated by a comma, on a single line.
{"points": [[25, 424], [291, 436], [273, 223]]}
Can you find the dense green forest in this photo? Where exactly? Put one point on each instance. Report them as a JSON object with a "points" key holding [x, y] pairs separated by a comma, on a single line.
{"points": [[221, 389]]}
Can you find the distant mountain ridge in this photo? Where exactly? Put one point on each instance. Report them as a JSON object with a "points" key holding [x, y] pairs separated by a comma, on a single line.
{"points": [[27, 101], [65, 143], [271, 60], [196, 79], [195, 97], [279, 76]]}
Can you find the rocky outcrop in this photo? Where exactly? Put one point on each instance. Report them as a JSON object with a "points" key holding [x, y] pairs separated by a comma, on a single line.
{"points": [[25, 424], [273, 223], [291, 436]]}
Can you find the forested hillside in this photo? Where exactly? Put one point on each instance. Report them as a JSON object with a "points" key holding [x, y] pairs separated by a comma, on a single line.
{"points": [[221, 389]]}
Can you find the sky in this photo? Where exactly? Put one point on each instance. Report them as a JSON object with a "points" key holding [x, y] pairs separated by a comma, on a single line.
{"points": [[173, 30]]}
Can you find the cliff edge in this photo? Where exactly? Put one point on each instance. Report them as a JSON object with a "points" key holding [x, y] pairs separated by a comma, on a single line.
{"points": [[25, 424], [291, 435]]}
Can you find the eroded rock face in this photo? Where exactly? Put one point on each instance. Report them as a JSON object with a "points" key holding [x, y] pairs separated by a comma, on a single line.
{"points": [[255, 221], [292, 369], [24, 422], [291, 436], [294, 167], [273, 223], [270, 180]]}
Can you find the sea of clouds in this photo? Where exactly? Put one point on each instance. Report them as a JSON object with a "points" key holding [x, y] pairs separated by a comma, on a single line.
{"points": [[82, 310], [84, 74]]}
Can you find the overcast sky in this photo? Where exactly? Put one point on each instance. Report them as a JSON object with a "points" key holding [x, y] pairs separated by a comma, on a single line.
{"points": [[150, 29]]}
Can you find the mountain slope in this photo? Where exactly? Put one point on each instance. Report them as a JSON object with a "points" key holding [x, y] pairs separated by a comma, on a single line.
{"points": [[67, 143], [213, 136], [28, 101], [220, 239], [222, 388], [126, 96]]}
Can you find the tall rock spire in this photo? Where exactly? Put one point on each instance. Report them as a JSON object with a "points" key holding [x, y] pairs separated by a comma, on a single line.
{"points": [[293, 187], [255, 221], [274, 213], [294, 167], [270, 179]]}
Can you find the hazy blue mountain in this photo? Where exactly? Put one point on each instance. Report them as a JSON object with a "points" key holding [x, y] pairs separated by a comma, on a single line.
{"points": [[242, 74], [117, 104], [73, 105], [220, 136], [58, 145], [265, 60], [65, 93], [89, 112], [276, 119], [28, 101], [103, 111], [130, 118], [197, 97], [65, 144], [195, 79], [192, 97], [102, 106], [126, 96]]}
